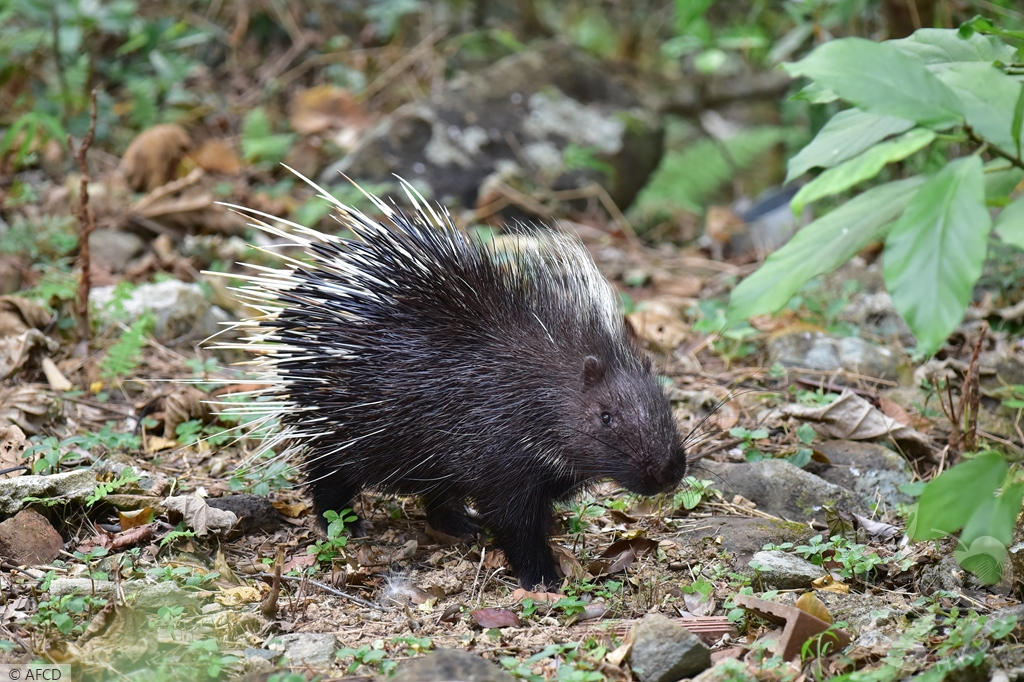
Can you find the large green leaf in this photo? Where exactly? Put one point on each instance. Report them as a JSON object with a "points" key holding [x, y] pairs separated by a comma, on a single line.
{"points": [[934, 253], [860, 168], [820, 247], [949, 500], [879, 78], [987, 100], [1010, 223], [995, 516], [944, 45], [846, 134]]}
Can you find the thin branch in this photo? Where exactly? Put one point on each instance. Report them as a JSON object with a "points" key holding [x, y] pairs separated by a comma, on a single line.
{"points": [[998, 151], [86, 222]]}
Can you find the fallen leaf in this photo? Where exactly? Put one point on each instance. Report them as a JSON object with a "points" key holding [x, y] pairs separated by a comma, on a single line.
{"points": [[494, 618], [132, 519], [218, 156], [198, 515], [808, 603], [152, 158], [621, 554]]}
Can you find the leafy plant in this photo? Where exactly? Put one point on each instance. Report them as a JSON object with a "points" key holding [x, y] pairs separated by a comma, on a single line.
{"points": [[934, 95], [337, 539], [854, 560], [101, 490], [985, 518], [732, 335], [123, 357], [747, 445], [693, 491]]}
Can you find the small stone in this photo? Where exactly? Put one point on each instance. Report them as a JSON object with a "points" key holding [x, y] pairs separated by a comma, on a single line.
{"points": [[784, 571], [444, 665], [28, 538], [665, 651], [113, 249], [305, 648]]}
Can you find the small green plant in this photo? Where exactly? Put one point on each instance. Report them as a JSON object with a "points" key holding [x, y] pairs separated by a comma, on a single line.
{"points": [[67, 613], [731, 337], [747, 445], [123, 357], [693, 491], [101, 490], [209, 659], [371, 655], [806, 434], [89, 557], [259, 142], [333, 546], [855, 560], [583, 511], [177, 534]]}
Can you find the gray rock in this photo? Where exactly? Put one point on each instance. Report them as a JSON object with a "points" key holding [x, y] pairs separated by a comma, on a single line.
{"points": [[181, 311], [664, 651], [445, 665], [113, 249], [784, 571], [781, 489], [138, 593], [68, 486], [517, 118], [740, 536], [868, 469], [305, 648], [819, 351]]}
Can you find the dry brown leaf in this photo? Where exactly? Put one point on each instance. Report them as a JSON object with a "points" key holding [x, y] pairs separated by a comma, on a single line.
{"points": [[19, 314], [218, 156], [521, 593], [18, 404], [664, 331], [851, 417], [808, 603], [152, 158], [328, 107], [619, 555], [12, 445], [292, 510], [494, 617], [827, 583], [135, 518], [198, 515]]}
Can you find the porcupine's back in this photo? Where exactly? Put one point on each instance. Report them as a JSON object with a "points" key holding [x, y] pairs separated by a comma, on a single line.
{"points": [[417, 360]]}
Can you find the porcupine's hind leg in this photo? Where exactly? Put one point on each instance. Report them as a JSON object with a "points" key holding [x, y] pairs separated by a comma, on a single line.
{"points": [[448, 514]]}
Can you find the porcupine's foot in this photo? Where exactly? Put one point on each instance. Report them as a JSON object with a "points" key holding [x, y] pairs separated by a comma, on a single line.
{"points": [[330, 494], [522, 534], [450, 517]]}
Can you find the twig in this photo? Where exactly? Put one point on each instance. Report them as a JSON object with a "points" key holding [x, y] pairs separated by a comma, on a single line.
{"points": [[269, 606], [998, 151], [86, 222], [972, 394], [327, 588]]}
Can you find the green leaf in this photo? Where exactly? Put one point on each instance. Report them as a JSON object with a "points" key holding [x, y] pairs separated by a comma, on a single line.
{"points": [[934, 253], [846, 134], [820, 247], [1010, 223], [994, 516], [944, 45], [879, 78], [988, 98], [944, 508], [1018, 120], [866, 165]]}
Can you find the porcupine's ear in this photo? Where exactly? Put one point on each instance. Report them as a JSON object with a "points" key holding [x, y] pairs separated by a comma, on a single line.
{"points": [[593, 371]]}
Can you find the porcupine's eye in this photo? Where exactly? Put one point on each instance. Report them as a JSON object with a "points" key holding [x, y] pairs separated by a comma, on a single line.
{"points": [[606, 418]]}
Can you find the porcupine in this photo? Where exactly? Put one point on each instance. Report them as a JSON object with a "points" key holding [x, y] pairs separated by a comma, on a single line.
{"points": [[411, 359]]}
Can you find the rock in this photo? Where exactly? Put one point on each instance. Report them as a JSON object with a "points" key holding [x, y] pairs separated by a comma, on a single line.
{"points": [[138, 593], [664, 651], [443, 665], [741, 536], [781, 489], [819, 351], [253, 512], [518, 118], [67, 486], [113, 249], [180, 310], [868, 469], [305, 648], [28, 538], [784, 571]]}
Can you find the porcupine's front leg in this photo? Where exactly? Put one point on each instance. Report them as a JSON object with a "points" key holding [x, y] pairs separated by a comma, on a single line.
{"points": [[521, 532]]}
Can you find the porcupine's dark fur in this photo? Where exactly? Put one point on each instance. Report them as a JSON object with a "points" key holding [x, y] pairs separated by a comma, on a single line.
{"points": [[413, 360]]}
